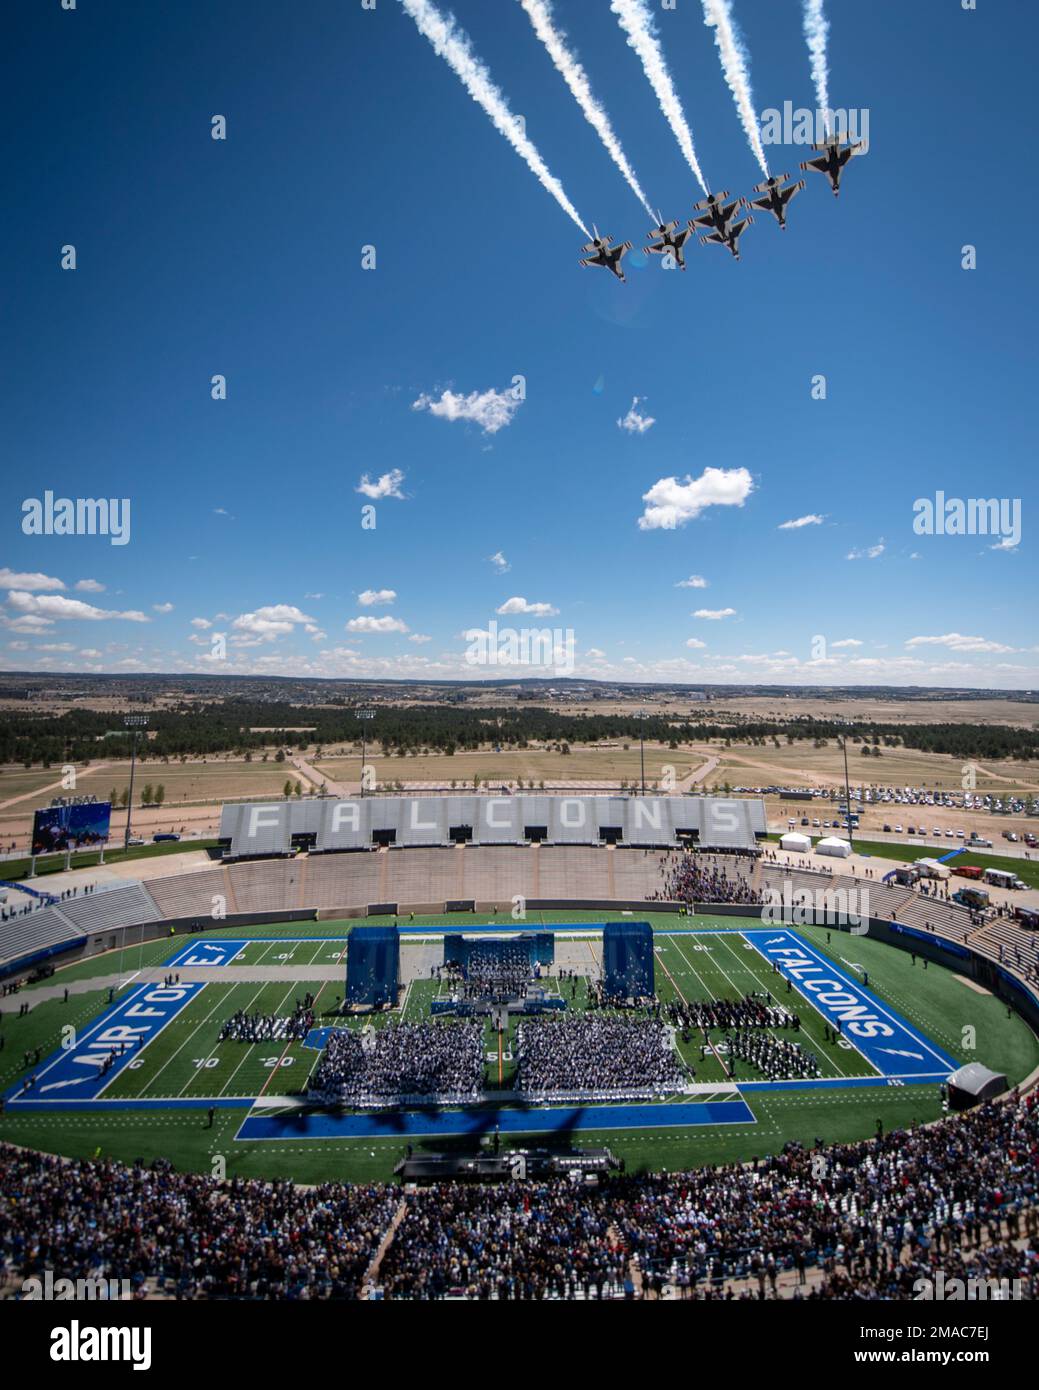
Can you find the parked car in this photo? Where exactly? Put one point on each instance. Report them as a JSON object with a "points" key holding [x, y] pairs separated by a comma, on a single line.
{"points": [[887, 830], [167, 835]]}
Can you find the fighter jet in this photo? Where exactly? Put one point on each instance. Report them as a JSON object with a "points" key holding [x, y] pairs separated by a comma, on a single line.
{"points": [[833, 161], [776, 197], [730, 237], [665, 241], [605, 254], [717, 214]]}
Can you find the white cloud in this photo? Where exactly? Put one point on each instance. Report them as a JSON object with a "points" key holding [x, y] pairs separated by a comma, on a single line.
{"points": [[633, 422], [695, 642], [957, 642], [499, 562], [370, 597], [671, 504], [596, 654], [366, 624], [1007, 543], [491, 410], [695, 581], [387, 486], [202, 623], [51, 606], [29, 623], [91, 652], [847, 642], [90, 586], [13, 579], [56, 647], [162, 607], [222, 511], [812, 519], [419, 638], [714, 614], [870, 553], [268, 623], [518, 604]]}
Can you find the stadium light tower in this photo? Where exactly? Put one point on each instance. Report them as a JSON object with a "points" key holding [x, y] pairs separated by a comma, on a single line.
{"points": [[642, 747], [136, 722], [847, 790], [364, 715]]}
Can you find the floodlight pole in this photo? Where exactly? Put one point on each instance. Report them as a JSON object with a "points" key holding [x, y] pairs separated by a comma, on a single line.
{"points": [[642, 747], [847, 790], [135, 722], [364, 715]]}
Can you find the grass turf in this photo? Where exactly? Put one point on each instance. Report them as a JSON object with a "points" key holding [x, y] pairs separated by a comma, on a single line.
{"points": [[186, 1060]]}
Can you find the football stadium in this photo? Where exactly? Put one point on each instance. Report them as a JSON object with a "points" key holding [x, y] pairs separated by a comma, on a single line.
{"points": [[519, 703], [598, 1012]]}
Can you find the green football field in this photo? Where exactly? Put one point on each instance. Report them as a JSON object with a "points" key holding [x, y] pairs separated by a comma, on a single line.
{"points": [[186, 1062]]}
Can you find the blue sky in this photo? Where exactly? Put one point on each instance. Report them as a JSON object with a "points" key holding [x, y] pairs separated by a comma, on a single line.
{"points": [[345, 129]]}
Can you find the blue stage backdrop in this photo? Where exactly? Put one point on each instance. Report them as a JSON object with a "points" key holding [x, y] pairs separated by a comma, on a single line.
{"points": [[539, 946], [373, 966], [627, 959]]}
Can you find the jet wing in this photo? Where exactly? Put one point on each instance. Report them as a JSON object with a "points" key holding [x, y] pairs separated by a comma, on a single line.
{"points": [[658, 246], [821, 164]]}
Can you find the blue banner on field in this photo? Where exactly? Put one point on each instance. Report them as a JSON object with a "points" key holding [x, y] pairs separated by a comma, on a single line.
{"points": [[887, 1041]]}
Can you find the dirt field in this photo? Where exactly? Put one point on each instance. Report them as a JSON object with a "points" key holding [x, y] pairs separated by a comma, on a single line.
{"points": [[612, 765]]}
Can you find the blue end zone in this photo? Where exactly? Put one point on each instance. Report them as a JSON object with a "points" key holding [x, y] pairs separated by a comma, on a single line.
{"points": [[319, 1124], [887, 1042], [124, 1029], [208, 952]]}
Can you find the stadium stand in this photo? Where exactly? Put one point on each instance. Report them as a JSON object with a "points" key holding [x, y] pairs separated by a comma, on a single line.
{"points": [[258, 829], [867, 1228], [36, 934]]}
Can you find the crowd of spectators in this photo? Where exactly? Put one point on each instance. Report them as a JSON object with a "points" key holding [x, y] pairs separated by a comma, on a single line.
{"points": [[402, 1062], [692, 878], [596, 1052], [873, 1217], [155, 1227]]}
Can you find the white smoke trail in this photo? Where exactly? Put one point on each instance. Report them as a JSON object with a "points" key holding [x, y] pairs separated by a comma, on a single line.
{"points": [[816, 31], [637, 22], [539, 12], [453, 46], [717, 15]]}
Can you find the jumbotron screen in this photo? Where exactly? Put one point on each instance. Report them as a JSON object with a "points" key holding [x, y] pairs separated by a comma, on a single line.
{"points": [[70, 827]]}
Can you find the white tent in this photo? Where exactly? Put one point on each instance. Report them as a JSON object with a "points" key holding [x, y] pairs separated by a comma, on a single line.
{"points": [[932, 868], [800, 844], [840, 849]]}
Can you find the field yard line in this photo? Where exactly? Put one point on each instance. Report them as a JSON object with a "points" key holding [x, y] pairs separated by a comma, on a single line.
{"points": [[836, 1059], [212, 1053], [183, 1045], [274, 1070], [247, 1051], [684, 1000]]}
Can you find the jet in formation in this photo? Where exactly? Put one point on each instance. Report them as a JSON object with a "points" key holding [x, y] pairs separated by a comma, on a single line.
{"points": [[776, 197], [602, 253], [833, 161], [666, 240], [718, 220]]}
